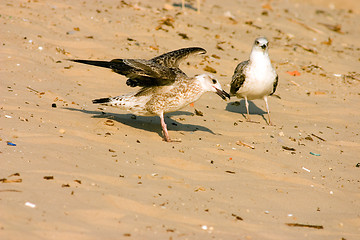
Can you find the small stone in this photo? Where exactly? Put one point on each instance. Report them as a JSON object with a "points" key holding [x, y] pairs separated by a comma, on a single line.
{"points": [[198, 113], [209, 69]]}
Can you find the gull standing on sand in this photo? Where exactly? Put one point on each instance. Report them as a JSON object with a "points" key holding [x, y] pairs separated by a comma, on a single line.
{"points": [[255, 78], [165, 87]]}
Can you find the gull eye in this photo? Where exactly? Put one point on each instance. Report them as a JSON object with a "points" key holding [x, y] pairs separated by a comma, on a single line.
{"points": [[214, 81], [257, 42]]}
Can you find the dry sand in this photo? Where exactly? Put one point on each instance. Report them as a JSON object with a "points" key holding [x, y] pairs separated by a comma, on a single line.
{"points": [[83, 172]]}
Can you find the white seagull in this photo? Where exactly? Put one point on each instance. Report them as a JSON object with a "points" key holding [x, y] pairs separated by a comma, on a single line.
{"points": [[255, 78], [165, 87]]}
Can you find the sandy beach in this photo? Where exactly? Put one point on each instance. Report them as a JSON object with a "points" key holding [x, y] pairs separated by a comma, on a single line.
{"points": [[70, 169]]}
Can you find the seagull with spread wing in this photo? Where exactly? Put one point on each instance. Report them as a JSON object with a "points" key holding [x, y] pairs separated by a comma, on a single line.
{"points": [[164, 86]]}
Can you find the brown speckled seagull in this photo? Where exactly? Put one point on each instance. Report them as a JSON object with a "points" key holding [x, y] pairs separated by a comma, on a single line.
{"points": [[165, 87]]}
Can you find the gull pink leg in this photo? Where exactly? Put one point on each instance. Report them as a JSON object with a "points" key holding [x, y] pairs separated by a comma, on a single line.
{"points": [[164, 128], [247, 110], [268, 111], [165, 131]]}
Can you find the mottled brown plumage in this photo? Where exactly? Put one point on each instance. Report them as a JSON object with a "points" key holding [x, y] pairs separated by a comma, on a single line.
{"points": [[165, 87]]}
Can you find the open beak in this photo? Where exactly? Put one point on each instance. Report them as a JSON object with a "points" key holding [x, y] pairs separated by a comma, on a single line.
{"points": [[222, 94]]}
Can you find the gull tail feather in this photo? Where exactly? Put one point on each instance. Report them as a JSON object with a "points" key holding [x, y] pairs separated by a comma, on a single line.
{"points": [[101, 100]]}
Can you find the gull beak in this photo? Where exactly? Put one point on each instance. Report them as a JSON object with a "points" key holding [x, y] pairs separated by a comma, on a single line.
{"points": [[222, 94], [263, 46]]}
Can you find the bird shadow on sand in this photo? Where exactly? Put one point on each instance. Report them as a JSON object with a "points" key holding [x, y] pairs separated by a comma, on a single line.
{"points": [[239, 107], [151, 123]]}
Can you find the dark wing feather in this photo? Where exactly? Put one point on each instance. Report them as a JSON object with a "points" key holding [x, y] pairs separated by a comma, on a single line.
{"points": [[140, 72], [238, 78], [104, 64], [173, 59], [275, 84], [143, 73], [159, 71]]}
